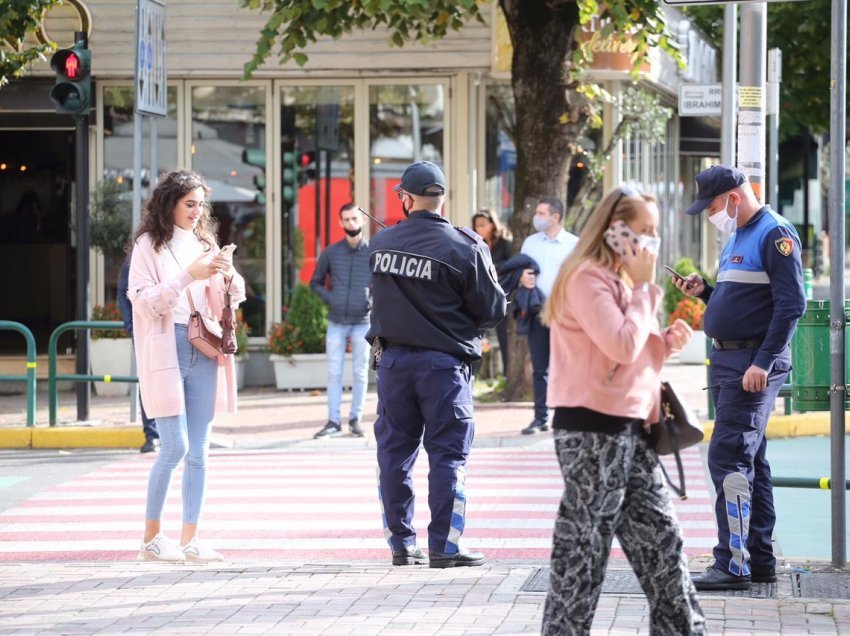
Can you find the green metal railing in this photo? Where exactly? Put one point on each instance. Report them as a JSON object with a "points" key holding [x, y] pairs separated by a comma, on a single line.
{"points": [[53, 377], [821, 483], [29, 377]]}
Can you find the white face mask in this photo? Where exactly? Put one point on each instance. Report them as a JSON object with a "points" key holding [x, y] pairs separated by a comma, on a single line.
{"points": [[723, 222], [651, 244], [541, 224]]}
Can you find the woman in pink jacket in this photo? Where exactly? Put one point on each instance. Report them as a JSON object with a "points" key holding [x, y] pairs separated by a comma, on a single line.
{"points": [[604, 382], [176, 254]]}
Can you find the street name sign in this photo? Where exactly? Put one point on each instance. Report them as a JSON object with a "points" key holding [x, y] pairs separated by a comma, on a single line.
{"points": [[151, 77]]}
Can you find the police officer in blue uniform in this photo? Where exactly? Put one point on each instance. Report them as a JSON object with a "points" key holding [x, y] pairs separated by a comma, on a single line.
{"points": [[751, 314], [434, 289]]}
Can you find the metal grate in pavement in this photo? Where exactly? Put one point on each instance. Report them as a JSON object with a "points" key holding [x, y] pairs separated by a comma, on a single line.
{"points": [[625, 582], [820, 585]]}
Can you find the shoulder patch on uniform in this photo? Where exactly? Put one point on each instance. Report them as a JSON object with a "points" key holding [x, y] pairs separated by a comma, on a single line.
{"points": [[469, 233], [784, 245]]}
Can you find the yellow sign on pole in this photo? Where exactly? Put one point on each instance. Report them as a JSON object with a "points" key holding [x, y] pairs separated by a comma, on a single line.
{"points": [[750, 97]]}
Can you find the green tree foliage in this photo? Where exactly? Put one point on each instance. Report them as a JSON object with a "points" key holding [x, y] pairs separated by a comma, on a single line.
{"points": [[17, 19], [802, 31]]}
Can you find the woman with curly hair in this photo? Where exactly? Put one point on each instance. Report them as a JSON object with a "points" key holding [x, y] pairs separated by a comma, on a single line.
{"points": [[605, 385], [175, 256], [498, 238]]}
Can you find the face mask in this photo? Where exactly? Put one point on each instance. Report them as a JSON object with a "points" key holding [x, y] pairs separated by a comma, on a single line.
{"points": [[353, 233], [724, 223], [651, 244], [540, 223], [405, 209]]}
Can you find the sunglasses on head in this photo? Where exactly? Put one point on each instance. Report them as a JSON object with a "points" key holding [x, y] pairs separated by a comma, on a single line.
{"points": [[625, 191]]}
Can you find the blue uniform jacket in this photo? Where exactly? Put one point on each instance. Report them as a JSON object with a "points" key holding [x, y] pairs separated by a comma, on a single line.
{"points": [[433, 286], [759, 290]]}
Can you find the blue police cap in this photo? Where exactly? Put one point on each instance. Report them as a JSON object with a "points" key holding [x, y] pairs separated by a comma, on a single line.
{"points": [[713, 182], [421, 177]]}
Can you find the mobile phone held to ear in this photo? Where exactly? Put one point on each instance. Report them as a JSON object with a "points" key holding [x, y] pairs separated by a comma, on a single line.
{"points": [[228, 250], [619, 237], [676, 275]]}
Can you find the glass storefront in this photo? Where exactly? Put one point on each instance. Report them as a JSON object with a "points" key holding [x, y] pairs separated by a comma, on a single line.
{"points": [[228, 147], [118, 122], [499, 153], [406, 124], [317, 174]]}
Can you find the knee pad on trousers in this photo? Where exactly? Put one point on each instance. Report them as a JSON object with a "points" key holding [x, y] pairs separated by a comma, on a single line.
{"points": [[736, 490]]}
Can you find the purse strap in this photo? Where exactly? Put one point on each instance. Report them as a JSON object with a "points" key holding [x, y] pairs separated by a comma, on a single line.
{"points": [[680, 490], [192, 309]]}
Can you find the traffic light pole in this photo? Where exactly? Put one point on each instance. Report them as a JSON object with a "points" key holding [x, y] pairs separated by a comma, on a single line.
{"points": [[82, 212]]}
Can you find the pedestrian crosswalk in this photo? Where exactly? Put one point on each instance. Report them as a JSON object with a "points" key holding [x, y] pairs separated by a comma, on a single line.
{"points": [[312, 505]]}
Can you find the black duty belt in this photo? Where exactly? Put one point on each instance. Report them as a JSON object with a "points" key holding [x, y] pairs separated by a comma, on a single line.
{"points": [[730, 345]]}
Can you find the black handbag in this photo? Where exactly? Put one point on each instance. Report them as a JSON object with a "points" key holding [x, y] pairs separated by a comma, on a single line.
{"points": [[677, 429]]}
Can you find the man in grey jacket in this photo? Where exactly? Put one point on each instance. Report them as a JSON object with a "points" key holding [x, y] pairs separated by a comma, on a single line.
{"points": [[342, 280]]}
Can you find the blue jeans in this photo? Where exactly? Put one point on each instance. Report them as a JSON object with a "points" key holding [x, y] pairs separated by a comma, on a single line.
{"points": [[187, 435], [336, 344]]}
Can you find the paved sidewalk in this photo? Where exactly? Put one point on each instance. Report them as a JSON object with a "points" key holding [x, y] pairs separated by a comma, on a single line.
{"points": [[254, 598]]}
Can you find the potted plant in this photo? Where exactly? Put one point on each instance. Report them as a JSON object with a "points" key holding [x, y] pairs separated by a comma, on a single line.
{"points": [[242, 331], [297, 344], [691, 310], [110, 351]]}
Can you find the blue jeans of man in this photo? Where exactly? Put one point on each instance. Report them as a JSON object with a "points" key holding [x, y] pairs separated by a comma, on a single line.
{"points": [[738, 445], [186, 436], [423, 396], [337, 338], [538, 348]]}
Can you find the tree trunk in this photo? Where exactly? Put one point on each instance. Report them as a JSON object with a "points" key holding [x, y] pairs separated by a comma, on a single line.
{"points": [[548, 121]]}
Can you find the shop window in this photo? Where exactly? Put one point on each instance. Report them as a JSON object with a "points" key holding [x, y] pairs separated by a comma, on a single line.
{"points": [[228, 148], [499, 152], [317, 174], [118, 122], [406, 124]]}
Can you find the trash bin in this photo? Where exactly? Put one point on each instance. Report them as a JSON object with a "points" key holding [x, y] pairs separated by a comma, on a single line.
{"points": [[811, 359]]}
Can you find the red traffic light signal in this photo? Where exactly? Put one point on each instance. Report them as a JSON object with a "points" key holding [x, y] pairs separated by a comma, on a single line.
{"points": [[72, 90]]}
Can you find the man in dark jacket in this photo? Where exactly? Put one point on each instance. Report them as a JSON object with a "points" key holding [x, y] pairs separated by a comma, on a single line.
{"points": [[341, 280], [126, 309]]}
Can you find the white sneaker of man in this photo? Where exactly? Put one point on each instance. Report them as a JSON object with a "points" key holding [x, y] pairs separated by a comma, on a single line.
{"points": [[199, 553], [160, 548]]}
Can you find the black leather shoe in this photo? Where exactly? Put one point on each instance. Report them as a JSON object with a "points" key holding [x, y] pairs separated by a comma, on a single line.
{"points": [[537, 426], [409, 555], [461, 559], [766, 575], [354, 428], [148, 447], [714, 579]]}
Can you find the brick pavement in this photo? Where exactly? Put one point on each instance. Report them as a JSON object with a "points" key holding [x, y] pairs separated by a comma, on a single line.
{"points": [[263, 598]]}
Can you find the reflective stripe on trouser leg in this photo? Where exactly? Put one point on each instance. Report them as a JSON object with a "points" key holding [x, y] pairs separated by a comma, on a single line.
{"points": [[458, 522], [736, 490], [387, 532]]}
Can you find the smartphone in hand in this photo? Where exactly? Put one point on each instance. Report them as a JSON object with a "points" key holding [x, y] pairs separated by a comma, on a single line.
{"points": [[228, 249], [676, 276]]}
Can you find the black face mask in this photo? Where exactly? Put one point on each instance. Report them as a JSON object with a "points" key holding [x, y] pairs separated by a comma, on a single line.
{"points": [[353, 233], [405, 209]]}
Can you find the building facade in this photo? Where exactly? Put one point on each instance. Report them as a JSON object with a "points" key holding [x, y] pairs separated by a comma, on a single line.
{"points": [[284, 150]]}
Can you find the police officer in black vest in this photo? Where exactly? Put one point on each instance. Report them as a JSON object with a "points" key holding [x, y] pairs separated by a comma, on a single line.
{"points": [[434, 289]]}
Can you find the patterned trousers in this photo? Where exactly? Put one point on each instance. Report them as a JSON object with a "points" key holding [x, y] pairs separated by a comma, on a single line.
{"points": [[614, 487]]}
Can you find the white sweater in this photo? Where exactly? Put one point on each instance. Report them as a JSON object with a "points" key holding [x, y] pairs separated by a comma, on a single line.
{"points": [[183, 248]]}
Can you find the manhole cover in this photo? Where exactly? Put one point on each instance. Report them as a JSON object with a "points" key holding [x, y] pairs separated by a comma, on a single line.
{"points": [[820, 585], [625, 582]]}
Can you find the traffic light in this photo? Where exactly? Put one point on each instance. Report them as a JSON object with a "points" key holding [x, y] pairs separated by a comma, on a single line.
{"points": [[72, 90], [307, 164], [256, 157], [290, 176]]}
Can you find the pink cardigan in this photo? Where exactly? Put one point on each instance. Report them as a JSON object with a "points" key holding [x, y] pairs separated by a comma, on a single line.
{"points": [[153, 332], [606, 347]]}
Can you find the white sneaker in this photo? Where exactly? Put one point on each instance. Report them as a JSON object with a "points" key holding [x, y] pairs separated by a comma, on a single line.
{"points": [[194, 551], [160, 548]]}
